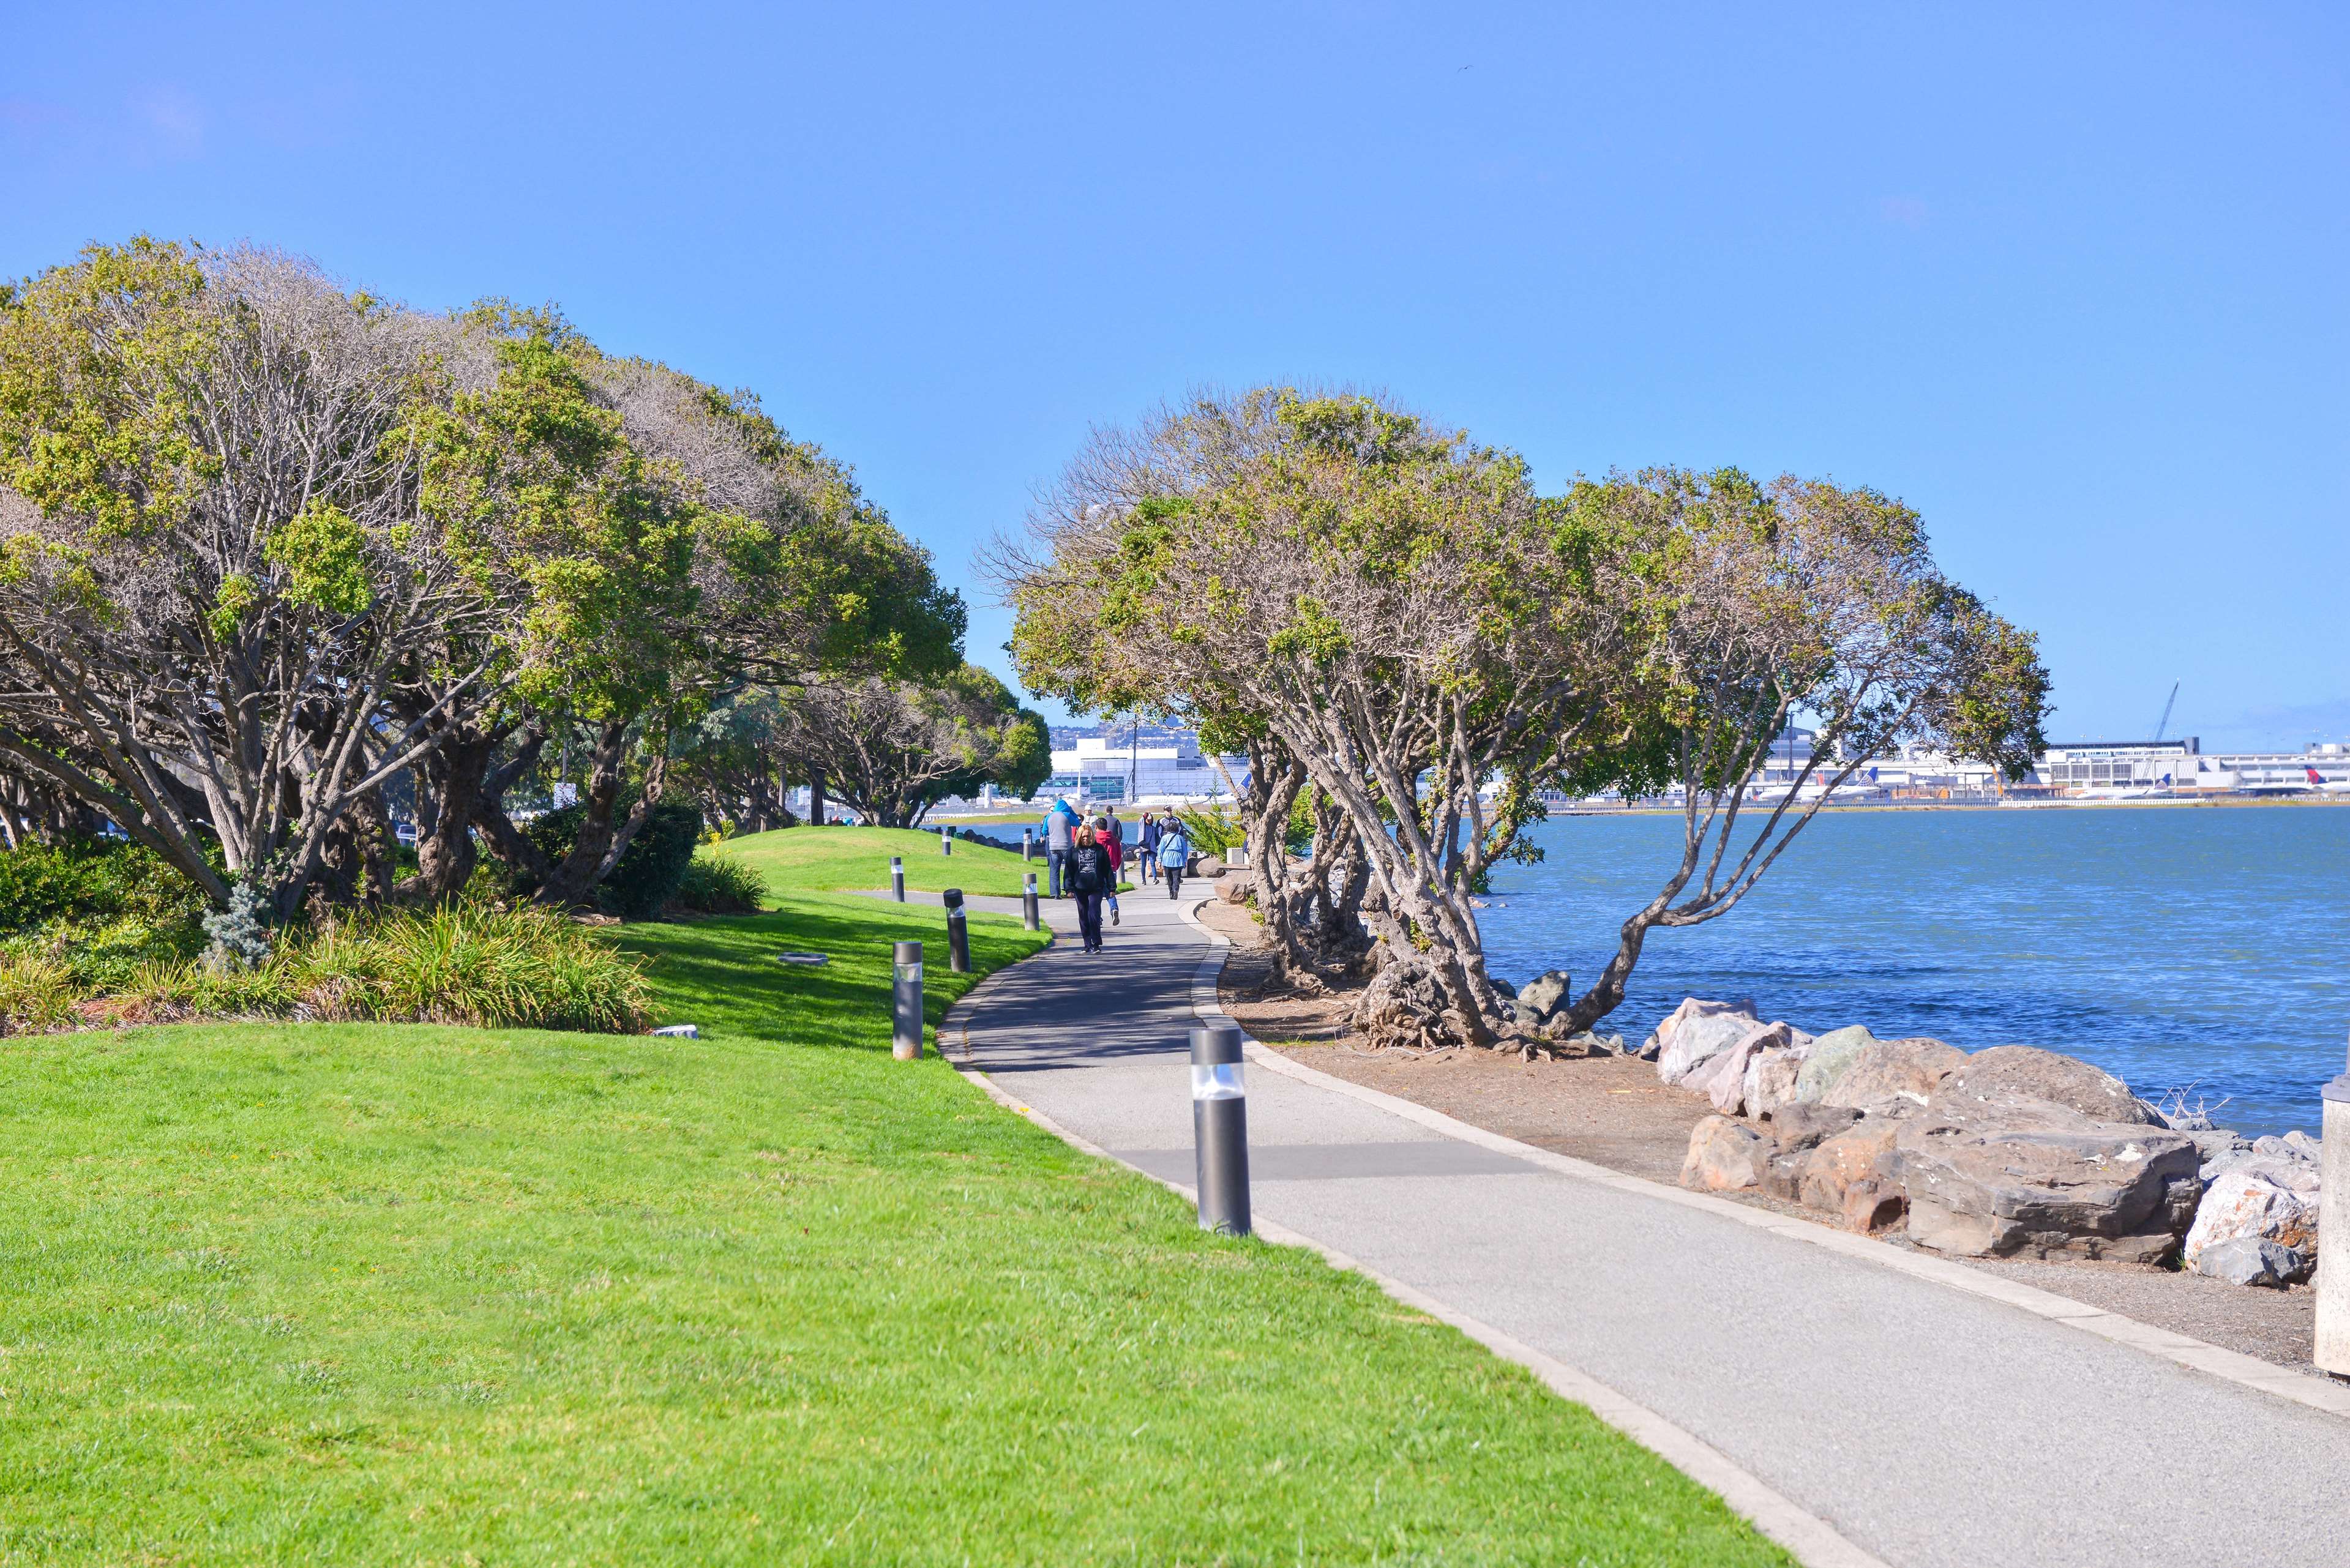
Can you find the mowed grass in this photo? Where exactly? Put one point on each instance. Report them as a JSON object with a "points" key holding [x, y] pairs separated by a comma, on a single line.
{"points": [[826, 858], [373, 1294]]}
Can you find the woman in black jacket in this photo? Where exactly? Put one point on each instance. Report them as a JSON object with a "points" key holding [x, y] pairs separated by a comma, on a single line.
{"points": [[1092, 879]]}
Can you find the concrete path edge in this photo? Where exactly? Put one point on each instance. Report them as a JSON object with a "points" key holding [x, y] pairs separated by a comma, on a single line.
{"points": [[2200, 1356], [1810, 1540]]}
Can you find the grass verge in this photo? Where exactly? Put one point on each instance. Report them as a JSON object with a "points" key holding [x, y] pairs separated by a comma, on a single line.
{"points": [[840, 858], [365, 1292]]}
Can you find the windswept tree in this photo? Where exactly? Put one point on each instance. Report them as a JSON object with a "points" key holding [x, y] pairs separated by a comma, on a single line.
{"points": [[892, 749], [1392, 617], [215, 555], [1763, 604]]}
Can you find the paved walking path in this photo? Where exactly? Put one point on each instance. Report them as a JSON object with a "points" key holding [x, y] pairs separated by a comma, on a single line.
{"points": [[1923, 1424]]}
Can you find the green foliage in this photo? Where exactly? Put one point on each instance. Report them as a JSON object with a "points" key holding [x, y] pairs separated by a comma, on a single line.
{"points": [[97, 909], [717, 883], [649, 870], [812, 858], [36, 993], [323, 555], [460, 963], [1213, 829]]}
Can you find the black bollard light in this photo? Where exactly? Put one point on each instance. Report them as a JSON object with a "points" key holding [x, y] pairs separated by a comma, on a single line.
{"points": [[946, 842], [958, 933], [896, 878], [1028, 844], [1219, 1127], [1028, 902], [906, 1004]]}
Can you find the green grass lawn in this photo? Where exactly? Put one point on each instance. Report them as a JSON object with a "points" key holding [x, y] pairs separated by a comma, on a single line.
{"points": [[357, 1293], [816, 858]]}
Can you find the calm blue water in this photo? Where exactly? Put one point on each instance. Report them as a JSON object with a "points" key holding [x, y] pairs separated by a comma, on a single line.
{"points": [[2169, 946]]}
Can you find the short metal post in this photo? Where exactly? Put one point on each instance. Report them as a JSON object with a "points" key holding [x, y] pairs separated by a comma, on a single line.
{"points": [[946, 841], [1219, 1127], [906, 1004], [898, 878], [958, 933], [1028, 902], [1027, 844], [2334, 1246]]}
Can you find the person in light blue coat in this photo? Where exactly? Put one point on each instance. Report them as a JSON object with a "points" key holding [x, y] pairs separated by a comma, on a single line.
{"points": [[1174, 853]]}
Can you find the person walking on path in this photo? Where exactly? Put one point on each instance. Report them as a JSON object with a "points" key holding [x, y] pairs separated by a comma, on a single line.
{"points": [[1091, 878], [1111, 836], [1148, 845], [1174, 853], [1060, 837]]}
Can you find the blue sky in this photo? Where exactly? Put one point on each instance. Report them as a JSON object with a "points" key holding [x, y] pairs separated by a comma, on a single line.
{"points": [[2071, 280]]}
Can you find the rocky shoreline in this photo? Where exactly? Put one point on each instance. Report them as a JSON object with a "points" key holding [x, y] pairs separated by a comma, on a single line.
{"points": [[2009, 1152]]}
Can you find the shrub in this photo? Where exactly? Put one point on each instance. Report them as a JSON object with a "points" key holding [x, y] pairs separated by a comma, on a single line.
{"points": [[1212, 830], [463, 965], [35, 994], [649, 871], [722, 885], [98, 909]]}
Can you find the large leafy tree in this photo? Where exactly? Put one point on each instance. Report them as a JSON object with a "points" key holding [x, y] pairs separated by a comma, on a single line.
{"points": [[1391, 617], [215, 555], [892, 749]]}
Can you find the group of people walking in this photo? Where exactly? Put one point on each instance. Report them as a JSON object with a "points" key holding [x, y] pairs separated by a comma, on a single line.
{"points": [[1085, 860]]}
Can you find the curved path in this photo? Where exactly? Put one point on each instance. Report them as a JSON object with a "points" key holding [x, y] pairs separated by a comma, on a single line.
{"points": [[1857, 1408]]}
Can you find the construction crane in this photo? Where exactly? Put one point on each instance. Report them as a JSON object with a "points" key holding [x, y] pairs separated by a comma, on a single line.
{"points": [[2164, 722]]}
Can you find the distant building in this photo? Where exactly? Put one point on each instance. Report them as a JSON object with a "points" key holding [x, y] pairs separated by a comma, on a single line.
{"points": [[1129, 763], [2120, 764]]}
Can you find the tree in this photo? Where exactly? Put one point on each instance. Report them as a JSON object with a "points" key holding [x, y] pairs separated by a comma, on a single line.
{"points": [[215, 557], [1387, 613], [892, 749], [1764, 603]]}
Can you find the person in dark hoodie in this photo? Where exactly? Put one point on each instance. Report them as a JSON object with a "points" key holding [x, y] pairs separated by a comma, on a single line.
{"points": [[1092, 879]]}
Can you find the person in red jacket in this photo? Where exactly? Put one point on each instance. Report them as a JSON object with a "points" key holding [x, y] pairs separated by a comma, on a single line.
{"points": [[1111, 836]]}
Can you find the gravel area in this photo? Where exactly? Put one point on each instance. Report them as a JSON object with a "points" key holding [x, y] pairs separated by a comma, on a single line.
{"points": [[1612, 1111]]}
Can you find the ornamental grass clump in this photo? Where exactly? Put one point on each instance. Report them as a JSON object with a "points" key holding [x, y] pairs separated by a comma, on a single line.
{"points": [[722, 884], [36, 994]]}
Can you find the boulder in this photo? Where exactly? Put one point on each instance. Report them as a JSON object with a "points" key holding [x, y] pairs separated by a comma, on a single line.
{"points": [[1802, 1127], [2030, 1072], [1831, 1053], [1723, 1079], [2254, 1260], [1650, 1049], [1234, 892], [2220, 1148], [2242, 1202], [2002, 1175], [1208, 866], [1873, 1204], [1862, 1153], [1783, 1175], [1771, 1079], [1893, 1077], [2309, 1149], [1696, 1033], [1545, 995], [1724, 1155]]}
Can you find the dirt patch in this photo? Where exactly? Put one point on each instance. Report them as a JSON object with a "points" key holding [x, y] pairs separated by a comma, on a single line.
{"points": [[1612, 1111]]}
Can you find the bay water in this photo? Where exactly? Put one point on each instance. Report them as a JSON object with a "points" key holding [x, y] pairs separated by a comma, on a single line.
{"points": [[2201, 948]]}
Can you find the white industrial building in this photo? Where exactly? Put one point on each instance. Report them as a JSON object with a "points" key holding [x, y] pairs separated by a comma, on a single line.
{"points": [[1128, 762]]}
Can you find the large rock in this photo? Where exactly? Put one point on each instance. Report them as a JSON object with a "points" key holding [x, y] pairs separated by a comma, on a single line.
{"points": [[2244, 1202], [2006, 1175], [1697, 1032], [1724, 1155], [1208, 867], [1864, 1153], [1545, 995], [1723, 1079], [2026, 1072], [2252, 1260], [1771, 1079], [1893, 1077], [1800, 1126], [2220, 1148], [1831, 1053]]}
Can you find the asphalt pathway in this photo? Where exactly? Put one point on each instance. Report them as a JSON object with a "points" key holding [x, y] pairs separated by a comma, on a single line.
{"points": [[1923, 1424]]}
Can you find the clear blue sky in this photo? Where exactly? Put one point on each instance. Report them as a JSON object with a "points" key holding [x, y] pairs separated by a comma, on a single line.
{"points": [[2070, 279]]}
